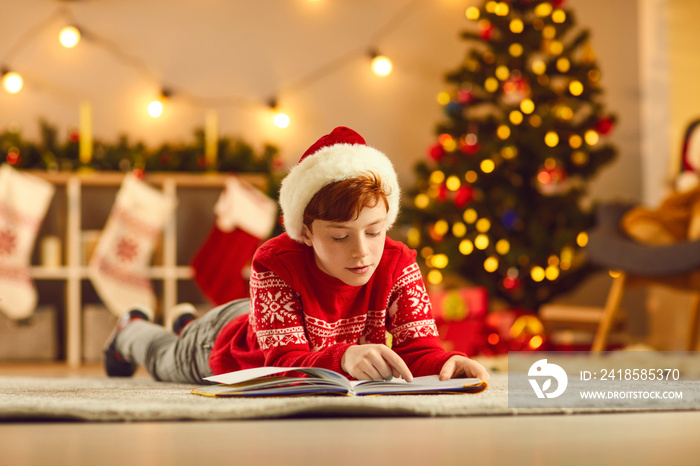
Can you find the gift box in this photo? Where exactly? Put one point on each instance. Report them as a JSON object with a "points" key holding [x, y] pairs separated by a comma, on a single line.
{"points": [[460, 316]]}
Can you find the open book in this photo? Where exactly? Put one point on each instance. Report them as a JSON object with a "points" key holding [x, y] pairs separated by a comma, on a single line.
{"points": [[263, 381]]}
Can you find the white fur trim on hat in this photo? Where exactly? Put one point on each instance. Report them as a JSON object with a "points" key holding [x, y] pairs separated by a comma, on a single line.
{"points": [[330, 164]]}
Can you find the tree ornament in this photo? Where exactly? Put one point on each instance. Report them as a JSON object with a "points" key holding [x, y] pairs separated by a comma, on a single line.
{"points": [[463, 196], [604, 125], [436, 151], [464, 96]]}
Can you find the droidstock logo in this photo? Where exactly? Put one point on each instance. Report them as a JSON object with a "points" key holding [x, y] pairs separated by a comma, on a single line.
{"points": [[543, 370]]}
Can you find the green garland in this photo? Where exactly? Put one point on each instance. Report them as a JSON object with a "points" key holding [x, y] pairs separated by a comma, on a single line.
{"points": [[234, 154]]}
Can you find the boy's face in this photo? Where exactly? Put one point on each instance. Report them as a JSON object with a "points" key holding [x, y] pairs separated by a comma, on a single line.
{"points": [[349, 251]]}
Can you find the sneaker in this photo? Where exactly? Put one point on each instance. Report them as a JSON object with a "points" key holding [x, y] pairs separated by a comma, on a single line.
{"points": [[183, 315], [115, 364]]}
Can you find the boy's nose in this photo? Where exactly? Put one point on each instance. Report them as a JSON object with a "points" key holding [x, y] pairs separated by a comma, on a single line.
{"points": [[360, 248]]}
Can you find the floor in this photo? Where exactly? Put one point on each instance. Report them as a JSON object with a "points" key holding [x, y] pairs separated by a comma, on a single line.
{"points": [[639, 439]]}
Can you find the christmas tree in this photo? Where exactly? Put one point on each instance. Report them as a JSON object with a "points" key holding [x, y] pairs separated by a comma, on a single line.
{"points": [[502, 199]]}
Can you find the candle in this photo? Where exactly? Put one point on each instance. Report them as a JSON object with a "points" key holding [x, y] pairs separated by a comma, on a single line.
{"points": [[51, 251], [211, 138], [85, 132]]}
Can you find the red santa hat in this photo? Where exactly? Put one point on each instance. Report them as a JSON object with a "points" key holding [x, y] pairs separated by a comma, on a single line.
{"points": [[340, 155]]}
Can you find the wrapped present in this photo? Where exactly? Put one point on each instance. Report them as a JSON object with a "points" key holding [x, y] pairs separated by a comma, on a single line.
{"points": [[514, 330], [460, 316]]}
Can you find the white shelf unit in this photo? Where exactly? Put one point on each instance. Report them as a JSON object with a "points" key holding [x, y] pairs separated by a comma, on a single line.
{"points": [[73, 272]]}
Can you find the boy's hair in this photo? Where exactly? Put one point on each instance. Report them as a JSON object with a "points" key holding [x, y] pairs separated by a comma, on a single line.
{"points": [[343, 201]]}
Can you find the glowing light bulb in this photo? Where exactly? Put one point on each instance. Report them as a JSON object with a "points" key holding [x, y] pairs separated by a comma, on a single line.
{"points": [[551, 139], [481, 241], [69, 36], [527, 106], [155, 108], [483, 225], [381, 65], [582, 239], [472, 13], [281, 120], [435, 277], [537, 273], [576, 88], [12, 82], [422, 201], [453, 183], [466, 247], [439, 261], [516, 26], [491, 264], [503, 247], [487, 165]]}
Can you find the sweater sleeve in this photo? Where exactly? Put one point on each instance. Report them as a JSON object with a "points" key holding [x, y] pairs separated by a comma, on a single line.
{"points": [[278, 322], [411, 323]]}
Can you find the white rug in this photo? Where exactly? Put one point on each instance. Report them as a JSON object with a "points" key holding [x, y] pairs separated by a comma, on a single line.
{"points": [[141, 399]]}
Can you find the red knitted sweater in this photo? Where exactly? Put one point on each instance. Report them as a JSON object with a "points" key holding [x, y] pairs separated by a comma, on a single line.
{"points": [[301, 316]]}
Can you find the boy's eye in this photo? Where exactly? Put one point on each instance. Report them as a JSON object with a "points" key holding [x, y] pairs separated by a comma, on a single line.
{"points": [[374, 234], [339, 239]]}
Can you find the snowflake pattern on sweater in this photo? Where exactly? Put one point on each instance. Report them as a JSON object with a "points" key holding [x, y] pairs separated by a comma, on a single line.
{"points": [[302, 316]]}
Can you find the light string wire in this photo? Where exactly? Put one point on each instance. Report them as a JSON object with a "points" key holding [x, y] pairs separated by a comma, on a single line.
{"points": [[132, 61]]}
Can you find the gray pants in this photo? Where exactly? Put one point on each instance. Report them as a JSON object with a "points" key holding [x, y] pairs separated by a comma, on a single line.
{"points": [[172, 358]]}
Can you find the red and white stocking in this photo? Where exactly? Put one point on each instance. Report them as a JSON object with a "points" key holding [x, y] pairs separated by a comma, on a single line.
{"points": [[24, 200], [244, 217], [119, 265]]}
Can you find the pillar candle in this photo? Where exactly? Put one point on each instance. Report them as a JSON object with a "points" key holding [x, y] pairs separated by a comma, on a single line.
{"points": [[85, 132], [211, 138]]}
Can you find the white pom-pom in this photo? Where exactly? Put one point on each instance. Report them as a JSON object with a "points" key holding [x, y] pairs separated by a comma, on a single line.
{"points": [[687, 181]]}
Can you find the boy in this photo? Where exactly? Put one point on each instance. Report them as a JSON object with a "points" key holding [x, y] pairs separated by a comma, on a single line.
{"points": [[324, 293]]}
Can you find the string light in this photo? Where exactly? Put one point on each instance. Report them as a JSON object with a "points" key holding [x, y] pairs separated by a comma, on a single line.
{"points": [[155, 108], [527, 106], [435, 277], [470, 216], [576, 88], [381, 65], [472, 13], [491, 264], [466, 247], [591, 137], [12, 82], [69, 36], [280, 119], [481, 241]]}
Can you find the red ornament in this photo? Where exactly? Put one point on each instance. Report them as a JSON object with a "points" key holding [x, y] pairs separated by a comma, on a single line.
{"points": [[74, 136], [511, 284], [468, 148], [557, 3], [138, 173], [13, 157], [604, 125], [436, 152], [486, 30], [442, 193], [463, 196], [464, 96]]}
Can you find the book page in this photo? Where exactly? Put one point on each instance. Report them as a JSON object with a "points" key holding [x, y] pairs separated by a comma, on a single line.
{"points": [[236, 377]]}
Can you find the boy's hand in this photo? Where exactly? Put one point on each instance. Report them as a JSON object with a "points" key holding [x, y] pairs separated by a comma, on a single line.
{"points": [[460, 366], [374, 362]]}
